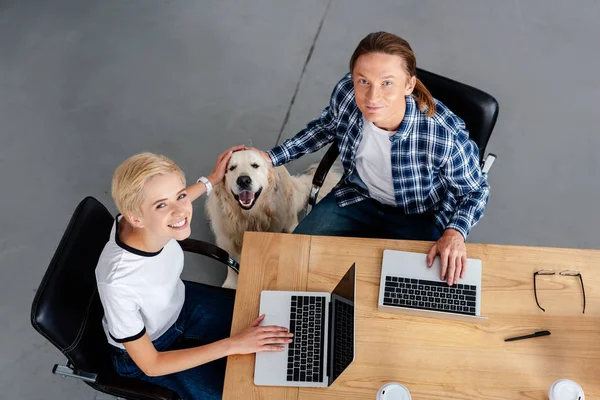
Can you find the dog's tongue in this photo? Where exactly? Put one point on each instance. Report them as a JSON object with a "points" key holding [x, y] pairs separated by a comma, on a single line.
{"points": [[246, 196]]}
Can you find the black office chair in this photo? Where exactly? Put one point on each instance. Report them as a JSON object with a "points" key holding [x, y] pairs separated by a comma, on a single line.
{"points": [[67, 311], [478, 109]]}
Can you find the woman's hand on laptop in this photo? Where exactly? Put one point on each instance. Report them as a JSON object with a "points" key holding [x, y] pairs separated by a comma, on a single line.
{"points": [[260, 338], [453, 256]]}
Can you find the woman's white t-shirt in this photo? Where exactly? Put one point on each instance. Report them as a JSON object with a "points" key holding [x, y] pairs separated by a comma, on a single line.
{"points": [[140, 292]]}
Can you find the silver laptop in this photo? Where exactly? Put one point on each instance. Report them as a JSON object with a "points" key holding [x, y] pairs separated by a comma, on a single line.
{"points": [[323, 343], [408, 286]]}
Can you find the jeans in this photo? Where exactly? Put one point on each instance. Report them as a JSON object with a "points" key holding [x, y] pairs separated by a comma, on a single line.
{"points": [[369, 219], [205, 318]]}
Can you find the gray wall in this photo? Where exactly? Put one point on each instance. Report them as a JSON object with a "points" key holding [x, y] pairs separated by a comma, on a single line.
{"points": [[84, 84]]}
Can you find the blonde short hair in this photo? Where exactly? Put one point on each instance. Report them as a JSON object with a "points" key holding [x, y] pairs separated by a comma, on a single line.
{"points": [[131, 176]]}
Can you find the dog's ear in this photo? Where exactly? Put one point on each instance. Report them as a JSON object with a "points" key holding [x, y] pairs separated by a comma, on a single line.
{"points": [[274, 179], [219, 190], [224, 197]]}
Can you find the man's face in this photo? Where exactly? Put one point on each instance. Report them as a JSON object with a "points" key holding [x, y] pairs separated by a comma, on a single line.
{"points": [[166, 211], [380, 87]]}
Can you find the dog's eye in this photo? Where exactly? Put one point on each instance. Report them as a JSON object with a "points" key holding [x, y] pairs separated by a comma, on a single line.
{"points": [[254, 165], [232, 167]]}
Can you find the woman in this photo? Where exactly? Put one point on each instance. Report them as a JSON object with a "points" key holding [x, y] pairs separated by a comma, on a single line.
{"points": [[410, 169], [160, 329]]}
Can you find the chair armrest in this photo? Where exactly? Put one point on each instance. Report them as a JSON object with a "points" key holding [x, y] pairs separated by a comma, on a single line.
{"points": [[209, 250], [321, 173], [487, 163], [325, 165]]}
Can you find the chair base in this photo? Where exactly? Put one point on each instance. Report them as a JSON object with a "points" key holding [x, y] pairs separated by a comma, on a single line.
{"points": [[66, 371]]}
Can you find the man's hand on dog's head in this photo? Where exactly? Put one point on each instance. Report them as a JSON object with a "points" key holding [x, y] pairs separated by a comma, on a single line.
{"points": [[264, 154]]}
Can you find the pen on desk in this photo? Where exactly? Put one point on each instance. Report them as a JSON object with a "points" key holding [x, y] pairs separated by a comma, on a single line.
{"points": [[537, 334]]}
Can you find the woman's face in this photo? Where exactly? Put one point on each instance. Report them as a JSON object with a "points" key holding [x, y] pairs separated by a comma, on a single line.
{"points": [[166, 210], [380, 86]]}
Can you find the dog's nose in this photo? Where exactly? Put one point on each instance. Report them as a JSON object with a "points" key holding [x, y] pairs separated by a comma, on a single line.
{"points": [[244, 181]]}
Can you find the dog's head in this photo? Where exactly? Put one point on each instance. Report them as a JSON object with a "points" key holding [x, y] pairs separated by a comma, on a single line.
{"points": [[246, 177]]}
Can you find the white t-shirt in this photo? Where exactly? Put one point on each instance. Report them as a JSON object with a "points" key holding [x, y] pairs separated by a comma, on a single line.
{"points": [[374, 162], [141, 292]]}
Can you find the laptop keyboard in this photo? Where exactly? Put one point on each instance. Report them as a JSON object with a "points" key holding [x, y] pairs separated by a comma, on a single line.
{"points": [[305, 353], [430, 295]]}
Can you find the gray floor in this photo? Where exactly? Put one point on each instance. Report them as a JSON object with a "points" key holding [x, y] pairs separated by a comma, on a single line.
{"points": [[83, 85]]}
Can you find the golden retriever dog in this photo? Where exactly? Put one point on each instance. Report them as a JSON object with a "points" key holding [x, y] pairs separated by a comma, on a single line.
{"points": [[254, 196]]}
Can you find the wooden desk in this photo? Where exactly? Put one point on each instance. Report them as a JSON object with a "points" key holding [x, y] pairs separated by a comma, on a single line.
{"points": [[435, 359]]}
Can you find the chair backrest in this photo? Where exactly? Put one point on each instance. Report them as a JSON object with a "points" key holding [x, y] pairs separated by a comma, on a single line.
{"points": [[66, 309], [478, 109]]}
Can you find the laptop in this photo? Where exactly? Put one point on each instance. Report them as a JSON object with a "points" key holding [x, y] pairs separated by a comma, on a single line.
{"points": [[323, 343], [407, 286]]}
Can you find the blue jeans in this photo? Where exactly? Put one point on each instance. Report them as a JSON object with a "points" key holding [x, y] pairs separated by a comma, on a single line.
{"points": [[369, 219], [205, 318]]}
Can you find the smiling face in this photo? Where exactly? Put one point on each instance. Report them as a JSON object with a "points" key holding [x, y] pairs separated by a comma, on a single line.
{"points": [[166, 211], [380, 87], [247, 174]]}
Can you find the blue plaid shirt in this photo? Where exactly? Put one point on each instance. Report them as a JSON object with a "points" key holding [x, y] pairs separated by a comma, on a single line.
{"points": [[435, 166]]}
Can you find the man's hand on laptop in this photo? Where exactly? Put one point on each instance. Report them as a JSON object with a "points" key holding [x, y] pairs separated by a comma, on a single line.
{"points": [[260, 338], [453, 256]]}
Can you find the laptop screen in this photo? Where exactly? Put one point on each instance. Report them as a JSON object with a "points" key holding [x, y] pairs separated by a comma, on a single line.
{"points": [[341, 322]]}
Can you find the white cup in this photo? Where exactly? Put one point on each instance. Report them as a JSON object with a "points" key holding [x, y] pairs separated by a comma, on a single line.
{"points": [[393, 391], [565, 389]]}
